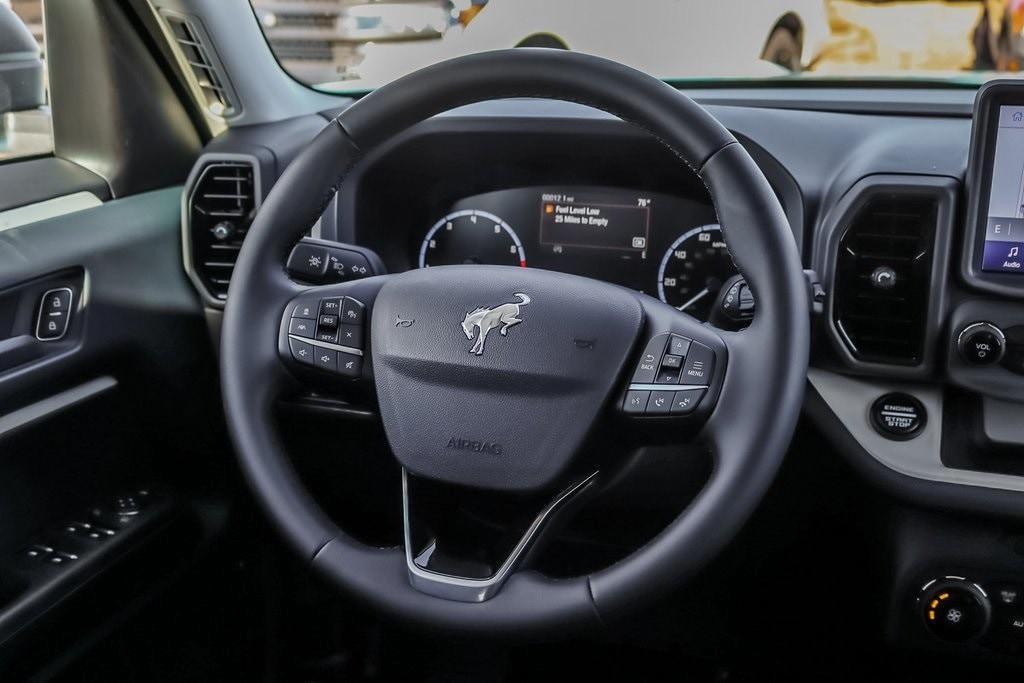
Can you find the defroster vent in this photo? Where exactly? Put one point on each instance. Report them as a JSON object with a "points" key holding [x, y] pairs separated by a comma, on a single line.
{"points": [[197, 55]]}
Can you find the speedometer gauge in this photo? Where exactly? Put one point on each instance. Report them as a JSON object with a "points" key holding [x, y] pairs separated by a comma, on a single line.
{"points": [[693, 270], [471, 236]]}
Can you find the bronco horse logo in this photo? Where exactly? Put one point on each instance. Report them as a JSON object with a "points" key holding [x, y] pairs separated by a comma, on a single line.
{"points": [[486, 319]]}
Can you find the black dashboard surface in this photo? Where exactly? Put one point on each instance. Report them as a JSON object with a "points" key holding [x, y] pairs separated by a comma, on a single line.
{"points": [[504, 163]]}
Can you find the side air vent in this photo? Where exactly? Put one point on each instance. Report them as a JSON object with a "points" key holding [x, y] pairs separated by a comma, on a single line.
{"points": [[220, 207], [200, 61], [883, 277]]}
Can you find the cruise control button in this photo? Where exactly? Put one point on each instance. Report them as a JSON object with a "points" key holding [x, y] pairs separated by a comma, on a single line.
{"points": [[301, 327], [684, 402], [306, 308], [679, 346], [302, 351], [700, 363], [635, 402], [351, 335], [353, 312], [349, 365], [659, 403], [650, 361], [327, 334], [328, 321], [330, 306]]}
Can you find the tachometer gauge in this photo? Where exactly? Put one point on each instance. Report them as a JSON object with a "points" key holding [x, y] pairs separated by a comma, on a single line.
{"points": [[471, 236], [694, 269]]}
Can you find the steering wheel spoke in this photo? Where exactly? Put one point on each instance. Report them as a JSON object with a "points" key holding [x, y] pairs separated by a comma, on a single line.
{"points": [[324, 333], [676, 378], [435, 569]]}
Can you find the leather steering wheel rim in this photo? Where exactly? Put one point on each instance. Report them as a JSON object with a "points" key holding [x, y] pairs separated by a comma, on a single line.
{"points": [[750, 427]]}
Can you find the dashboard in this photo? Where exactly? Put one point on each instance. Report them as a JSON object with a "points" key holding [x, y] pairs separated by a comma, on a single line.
{"points": [[910, 217]]}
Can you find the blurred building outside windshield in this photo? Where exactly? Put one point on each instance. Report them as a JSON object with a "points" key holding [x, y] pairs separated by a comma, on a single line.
{"points": [[350, 45], [25, 133]]}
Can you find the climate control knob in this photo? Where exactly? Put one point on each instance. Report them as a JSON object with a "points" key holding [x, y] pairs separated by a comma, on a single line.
{"points": [[981, 344], [955, 609]]}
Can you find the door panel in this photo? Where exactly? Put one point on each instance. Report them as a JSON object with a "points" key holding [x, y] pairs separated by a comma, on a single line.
{"points": [[110, 436]]}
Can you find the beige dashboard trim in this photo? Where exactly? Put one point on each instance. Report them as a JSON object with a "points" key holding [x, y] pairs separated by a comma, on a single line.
{"points": [[51, 208], [850, 400]]}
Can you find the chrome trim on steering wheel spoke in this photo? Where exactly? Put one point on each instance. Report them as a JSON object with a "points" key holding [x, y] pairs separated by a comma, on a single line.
{"points": [[327, 345], [462, 589], [666, 387]]}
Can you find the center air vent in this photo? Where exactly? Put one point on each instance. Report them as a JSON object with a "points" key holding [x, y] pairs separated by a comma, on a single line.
{"points": [[221, 206], [883, 277]]}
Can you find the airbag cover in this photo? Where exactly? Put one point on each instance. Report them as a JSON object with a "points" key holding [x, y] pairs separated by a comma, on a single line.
{"points": [[507, 413]]}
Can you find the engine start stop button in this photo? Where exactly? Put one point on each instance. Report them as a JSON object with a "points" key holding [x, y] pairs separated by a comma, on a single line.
{"points": [[898, 416]]}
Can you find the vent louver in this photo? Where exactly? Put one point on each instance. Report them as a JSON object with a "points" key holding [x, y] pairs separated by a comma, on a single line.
{"points": [[221, 208], [213, 85], [883, 276]]}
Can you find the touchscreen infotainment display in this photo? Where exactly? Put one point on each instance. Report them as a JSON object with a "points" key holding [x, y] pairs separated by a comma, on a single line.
{"points": [[1004, 234]]}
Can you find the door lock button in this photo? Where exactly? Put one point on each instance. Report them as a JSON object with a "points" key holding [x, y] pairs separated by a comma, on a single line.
{"points": [[54, 314]]}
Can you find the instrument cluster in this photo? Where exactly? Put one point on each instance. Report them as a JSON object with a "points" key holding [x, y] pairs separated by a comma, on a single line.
{"points": [[665, 246]]}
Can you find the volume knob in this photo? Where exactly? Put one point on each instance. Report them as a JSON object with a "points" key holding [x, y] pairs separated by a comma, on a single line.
{"points": [[981, 343]]}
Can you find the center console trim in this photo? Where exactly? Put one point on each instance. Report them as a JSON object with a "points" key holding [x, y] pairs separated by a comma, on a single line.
{"points": [[849, 400]]}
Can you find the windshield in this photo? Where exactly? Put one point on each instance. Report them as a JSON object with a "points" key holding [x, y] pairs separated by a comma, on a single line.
{"points": [[356, 45]]}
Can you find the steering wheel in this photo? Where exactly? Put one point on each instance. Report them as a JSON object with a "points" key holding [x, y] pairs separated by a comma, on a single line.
{"points": [[491, 379]]}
